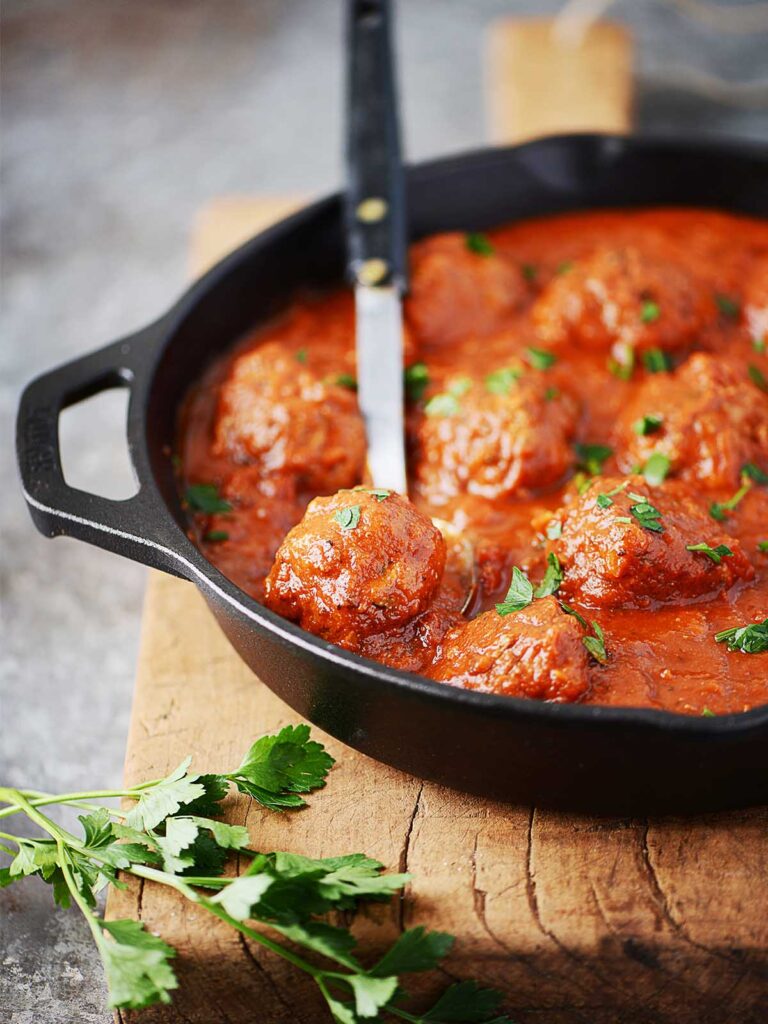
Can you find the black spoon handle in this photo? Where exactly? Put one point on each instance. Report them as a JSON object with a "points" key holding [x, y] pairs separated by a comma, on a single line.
{"points": [[375, 199]]}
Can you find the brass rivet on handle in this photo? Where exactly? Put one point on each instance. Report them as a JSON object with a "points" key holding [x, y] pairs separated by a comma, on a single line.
{"points": [[372, 271], [372, 210]]}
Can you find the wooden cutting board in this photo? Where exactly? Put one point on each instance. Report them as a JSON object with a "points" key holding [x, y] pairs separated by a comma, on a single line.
{"points": [[574, 919]]}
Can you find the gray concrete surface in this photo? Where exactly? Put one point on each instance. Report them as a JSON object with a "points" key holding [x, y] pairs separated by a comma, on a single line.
{"points": [[119, 121]]}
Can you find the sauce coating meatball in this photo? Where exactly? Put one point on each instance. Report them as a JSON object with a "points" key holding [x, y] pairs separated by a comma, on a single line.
{"points": [[276, 413], [357, 564], [537, 652], [623, 544], [495, 445], [625, 299], [455, 292], [706, 417]]}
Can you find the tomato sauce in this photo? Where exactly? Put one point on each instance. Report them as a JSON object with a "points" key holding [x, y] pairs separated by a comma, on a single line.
{"points": [[558, 359]]}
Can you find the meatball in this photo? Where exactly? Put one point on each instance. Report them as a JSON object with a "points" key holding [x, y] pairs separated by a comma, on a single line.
{"points": [[456, 292], [705, 417], [623, 544], [623, 299], [494, 445], [537, 652], [277, 414], [359, 563]]}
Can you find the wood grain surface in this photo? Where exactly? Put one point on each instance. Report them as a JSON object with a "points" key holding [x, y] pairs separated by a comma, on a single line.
{"points": [[577, 920]]}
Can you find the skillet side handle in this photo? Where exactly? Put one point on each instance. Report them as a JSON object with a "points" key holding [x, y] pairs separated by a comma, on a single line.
{"points": [[133, 527]]}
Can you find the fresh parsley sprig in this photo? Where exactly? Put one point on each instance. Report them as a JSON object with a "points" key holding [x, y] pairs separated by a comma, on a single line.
{"points": [[751, 639], [170, 836]]}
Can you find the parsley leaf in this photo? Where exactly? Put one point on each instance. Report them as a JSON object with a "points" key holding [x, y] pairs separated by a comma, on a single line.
{"points": [[591, 457], [650, 312], [656, 361], [646, 514], [647, 424], [165, 798], [762, 545], [501, 382], [728, 307], [706, 713], [136, 963], [479, 243], [757, 377], [553, 577], [301, 356], [447, 402], [540, 358], [564, 267], [605, 500], [656, 468], [754, 472], [416, 380], [595, 644], [721, 509], [715, 554], [348, 518], [277, 768], [622, 363], [216, 536], [759, 345], [206, 498], [345, 380], [529, 271], [752, 639], [379, 493], [415, 950], [465, 1002], [519, 595]]}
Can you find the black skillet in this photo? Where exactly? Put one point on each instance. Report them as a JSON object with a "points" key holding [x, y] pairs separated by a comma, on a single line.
{"points": [[620, 760]]}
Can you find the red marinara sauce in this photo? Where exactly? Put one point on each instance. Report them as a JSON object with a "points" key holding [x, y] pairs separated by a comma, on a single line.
{"points": [[588, 403]]}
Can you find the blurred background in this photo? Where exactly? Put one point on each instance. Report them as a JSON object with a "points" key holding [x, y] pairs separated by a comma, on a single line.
{"points": [[119, 121]]}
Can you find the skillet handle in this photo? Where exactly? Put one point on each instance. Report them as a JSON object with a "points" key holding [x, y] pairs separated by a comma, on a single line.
{"points": [[374, 205], [134, 527]]}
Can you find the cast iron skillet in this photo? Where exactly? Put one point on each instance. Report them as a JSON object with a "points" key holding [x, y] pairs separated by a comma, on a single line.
{"points": [[612, 760]]}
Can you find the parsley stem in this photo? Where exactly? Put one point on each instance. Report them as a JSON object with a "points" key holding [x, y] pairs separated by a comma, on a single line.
{"points": [[13, 796], [7, 849], [68, 800]]}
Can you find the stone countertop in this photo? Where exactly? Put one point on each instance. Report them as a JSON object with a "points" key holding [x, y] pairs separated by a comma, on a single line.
{"points": [[120, 121]]}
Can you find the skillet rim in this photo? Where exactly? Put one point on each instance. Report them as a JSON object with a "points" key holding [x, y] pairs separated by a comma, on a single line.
{"points": [[207, 575]]}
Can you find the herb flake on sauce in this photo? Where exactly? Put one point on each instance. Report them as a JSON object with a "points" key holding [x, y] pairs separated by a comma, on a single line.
{"points": [[348, 518], [752, 639]]}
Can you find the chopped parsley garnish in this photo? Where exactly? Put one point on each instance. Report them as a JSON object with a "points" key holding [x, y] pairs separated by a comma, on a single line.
{"points": [[650, 312], [752, 639], [655, 360], [501, 382], [715, 554], [379, 493], [622, 363], [519, 595], [206, 498], [646, 514], [529, 272], [656, 468], [581, 482], [706, 713], [447, 402], [563, 268], [539, 358], [592, 457], [301, 355], [348, 518], [605, 500], [345, 380], [551, 394], [594, 644], [215, 536], [552, 579], [728, 306], [479, 243], [647, 424], [757, 377], [623, 519], [720, 509], [759, 345], [762, 545], [753, 471], [416, 379], [554, 529]]}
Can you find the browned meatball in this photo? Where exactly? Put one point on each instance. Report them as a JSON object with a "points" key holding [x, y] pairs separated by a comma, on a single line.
{"points": [[494, 445], [756, 302], [624, 298], [705, 417], [456, 292], [358, 563], [276, 413], [620, 552], [537, 652]]}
